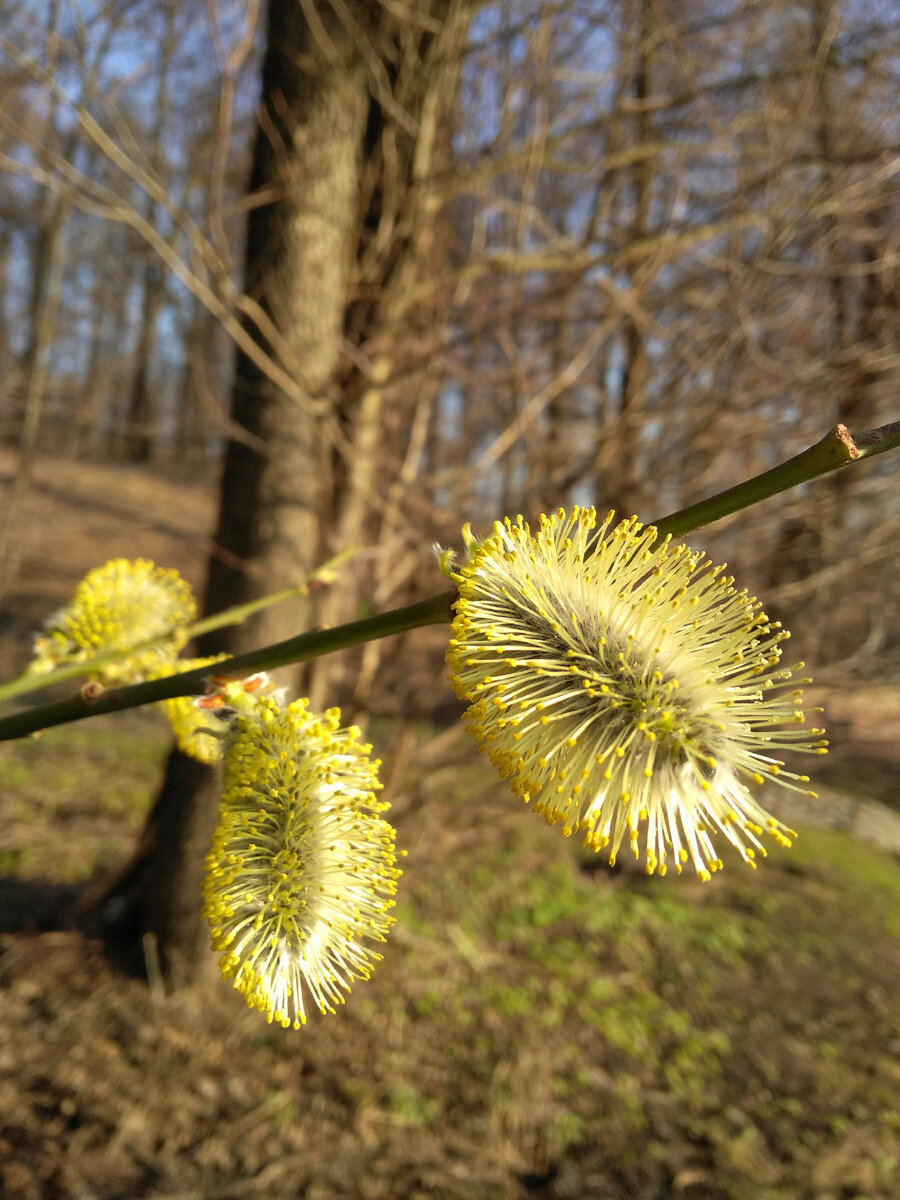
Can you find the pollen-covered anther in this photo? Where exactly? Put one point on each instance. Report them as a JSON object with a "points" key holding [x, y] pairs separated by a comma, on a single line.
{"points": [[672, 693]]}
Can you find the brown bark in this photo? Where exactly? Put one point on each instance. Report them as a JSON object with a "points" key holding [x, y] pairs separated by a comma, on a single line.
{"points": [[397, 250], [299, 251]]}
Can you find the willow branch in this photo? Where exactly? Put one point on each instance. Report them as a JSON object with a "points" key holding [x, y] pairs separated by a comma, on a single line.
{"points": [[93, 700], [839, 448], [84, 668]]}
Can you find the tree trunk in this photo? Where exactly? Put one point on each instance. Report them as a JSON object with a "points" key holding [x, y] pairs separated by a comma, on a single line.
{"points": [[398, 249], [323, 107], [48, 263], [299, 248], [299, 252]]}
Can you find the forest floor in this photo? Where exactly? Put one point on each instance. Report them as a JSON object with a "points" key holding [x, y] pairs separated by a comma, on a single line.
{"points": [[541, 1026]]}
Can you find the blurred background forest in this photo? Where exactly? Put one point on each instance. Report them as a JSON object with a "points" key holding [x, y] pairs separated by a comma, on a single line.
{"points": [[620, 254], [277, 280]]}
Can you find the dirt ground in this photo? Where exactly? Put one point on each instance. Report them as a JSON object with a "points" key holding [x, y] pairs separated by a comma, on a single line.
{"points": [[540, 1026]]}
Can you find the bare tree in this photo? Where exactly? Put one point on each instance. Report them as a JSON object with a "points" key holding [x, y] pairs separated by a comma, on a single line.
{"points": [[330, 124]]}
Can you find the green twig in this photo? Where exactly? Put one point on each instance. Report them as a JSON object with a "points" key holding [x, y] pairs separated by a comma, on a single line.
{"points": [[876, 441], [837, 449], [84, 668], [23, 685], [240, 612], [92, 700]]}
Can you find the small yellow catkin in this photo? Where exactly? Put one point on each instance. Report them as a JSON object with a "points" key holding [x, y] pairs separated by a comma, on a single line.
{"points": [[302, 871], [117, 608]]}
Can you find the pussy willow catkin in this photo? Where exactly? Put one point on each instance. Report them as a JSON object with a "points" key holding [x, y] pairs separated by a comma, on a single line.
{"points": [[303, 869], [626, 687]]}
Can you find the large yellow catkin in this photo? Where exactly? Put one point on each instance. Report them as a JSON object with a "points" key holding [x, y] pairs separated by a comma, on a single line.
{"points": [[626, 688]]}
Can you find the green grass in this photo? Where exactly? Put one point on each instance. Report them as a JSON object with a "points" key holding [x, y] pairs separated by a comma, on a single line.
{"points": [[535, 1013], [867, 871], [73, 797], [751, 1015]]}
